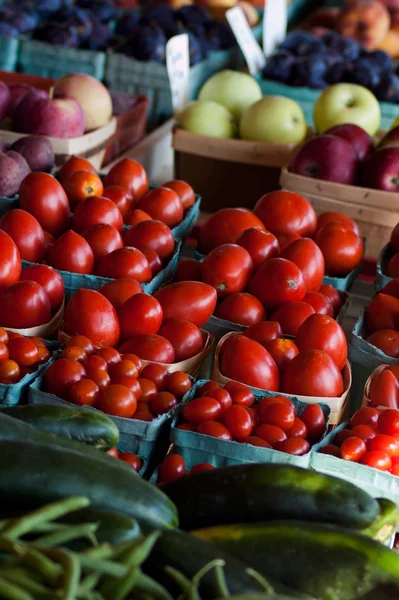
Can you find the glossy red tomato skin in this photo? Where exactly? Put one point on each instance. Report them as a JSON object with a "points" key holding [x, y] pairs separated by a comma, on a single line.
{"points": [[23, 351], [377, 459], [50, 280], [248, 362], [227, 268], [153, 260], [163, 204], [282, 351], [386, 340], [224, 227], [24, 304], [277, 281], [183, 190], [320, 303], [253, 440], [151, 234], [118, 400], [90, 314], [285, 239], [158, 374], [61, 374], [392, 268], [270, 433], [188, 269], [132, 459], [260, 245], [264, 404], [150, 347], [238, 421], [222, 396], [10, 261], [120, 290], [207, 387], [121, 197], [130, 175], [84, 392], [312, 373], [333, 295], [185, 337], [241, 308], [286, 212], [113, 452], [190, 300], [111, 356], [384, 443], [291, 316], [125, 262], [172, 467], [381, 313], [4, 353], [298, 429], [364, 432], [336, 217], [71, 253], [331, 450], [26, 232], [44, 197], [202, 467], [73, 164], [163, 403], [309, 258], [353, 449], [388, 422], [240, 394], [367, 416], [136, 216], [214, 429], [178, 384], [202, 409], [321, 332], [294, 445], [94, 211], [264, 331], [315, 422], [280, 415], [102, 239], [141, 313], [342, 249]]}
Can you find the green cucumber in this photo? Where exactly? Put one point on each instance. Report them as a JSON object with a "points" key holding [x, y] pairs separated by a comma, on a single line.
{"points": [[256, 492], [76, 423], [386, 523], [33, 474], [113, 527], [322, 560]]}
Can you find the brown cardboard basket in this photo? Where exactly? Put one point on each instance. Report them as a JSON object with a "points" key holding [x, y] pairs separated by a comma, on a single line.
{"points": [[375, 211], [47, 330]]}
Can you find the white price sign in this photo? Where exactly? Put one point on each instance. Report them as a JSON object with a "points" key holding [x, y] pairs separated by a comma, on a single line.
{"points": [[178, 66], [246, 40], [274, 24]]}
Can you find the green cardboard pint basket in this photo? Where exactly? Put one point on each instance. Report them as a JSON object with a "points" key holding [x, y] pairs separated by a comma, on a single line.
{"points": [[9, 53], [381, 279]]}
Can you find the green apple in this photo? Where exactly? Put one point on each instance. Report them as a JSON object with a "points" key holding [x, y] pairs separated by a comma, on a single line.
{"points": [[207, 118], [233, 90], [347, 103], [274, 119]]}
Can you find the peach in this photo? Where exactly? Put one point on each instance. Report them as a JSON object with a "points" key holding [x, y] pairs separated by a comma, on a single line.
{"points": [[390, 43], [250, 12], [367, 21]]}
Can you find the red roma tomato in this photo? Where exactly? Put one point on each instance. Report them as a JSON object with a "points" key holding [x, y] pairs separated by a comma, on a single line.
{"points": [[285, 239], [270, 433], [150, 347], [238, 421], [135, 359], [100, 377], [214, 429], [320, 332], [342, 435], [73, 164], [95, 362], [342, 249], [377, 459], [364, 432], [26, 232], [102, 239], [111, 356], [286, 212], [44, 197], [298, 429], [148, 389], [132, 459], [188, 270], [391, 288], [239, 393], [228, 269], [277, 281], [247, 361], [130, 382], [81, 185], [141, 313], [50, 280], [143, 416], [201, 467], [222, 396], [125, 262], [388, 421], [312, 373], [24, 304], [96, 211], [120, 290], [337, 217], [386, 340], [333, 295], [163, 403], [241, 308], [291, 316], [264, 331], [308, 257], [172, 467], [4, 335], [84, 392], [190, 300], [113, 452], [269, 400], [10, 260], [121, 197], [61, 374], [178, 383], [183, 190], [130, 175], [381, 313], [384, 443], [163, 204], [71, 253], [253, 440], [117, 400], [184, 336], [207, 387], [23, 351], [136, 216], [202, 409], [315, 422], [367, 416], [224, 227], [320, 303], [353, 449], [153, 260], [9, 371], [392, 269], [151, 234], [294, 445], [74, 352], [331, 450], [282, 351], [158, 374], [260, 245], [187, 427], [90, 314], [280, 415], [4, 353]]}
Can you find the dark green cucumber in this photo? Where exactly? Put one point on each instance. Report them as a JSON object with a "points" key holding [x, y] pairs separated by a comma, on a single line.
{"points": [[33, 474], [259, 492], [386, 523], [76, 423], [114, 528], [313, 558]]}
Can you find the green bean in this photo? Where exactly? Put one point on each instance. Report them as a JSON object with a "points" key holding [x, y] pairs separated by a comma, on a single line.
{"points": [[106, 567], [71, 571], [151, 587], [102, 551], [122, 588], [138, 550], [260, 579], [32, 557], [24, 579], [221, 582], [88, 584], [50, 512], [66, 534], [186, 584], [10, 591]]}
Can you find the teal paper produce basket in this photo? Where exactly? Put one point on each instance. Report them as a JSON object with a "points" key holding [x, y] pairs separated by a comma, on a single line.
{"points": [[9, 54], [384, 256]]}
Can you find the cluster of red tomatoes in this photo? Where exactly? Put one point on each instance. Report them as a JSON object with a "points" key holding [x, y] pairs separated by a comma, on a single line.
{"points": [[381, 319], [384, 387], [115, 383], [174, 466], [392, 268], [230, 413], [371, 438], [128, 457], [20, 355]]}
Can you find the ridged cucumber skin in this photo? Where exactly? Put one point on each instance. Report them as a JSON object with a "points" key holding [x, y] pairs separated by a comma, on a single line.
{"points": [[386, 523], [316, 559], [256, 492], [33, 474], [75, 423]]}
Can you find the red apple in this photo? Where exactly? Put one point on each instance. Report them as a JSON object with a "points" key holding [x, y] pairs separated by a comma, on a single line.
{"points": [[17, 91], [357, 137], [381, 170], [390, 139]]}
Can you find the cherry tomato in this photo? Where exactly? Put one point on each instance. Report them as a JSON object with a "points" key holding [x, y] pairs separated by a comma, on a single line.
{"points": [[50, 280], [26, 232], [368, 416], [312, 373], [99, 376], [141, 406], [130, 175], [148, 389], [143, 416], [321, 332], [23, 351], [260, 245], [308, 257], [364, 432], [74, 353], [44, 355], [9, 371], [241, 308], [151, 234], [84, 392], [61, 374], [255, 441], [163, 204], [201, 467], [341, 436], [202, 409], [342, 248], [331, 450], [123, 368], [125, 262], [130, 382], [4, 354], [222, 396], [392, 268], [82, 341], [110, 355], [178, 384], [190, 300], [214, 429], [315, 422], [3, 335], [117, 400], [135, 359], [298, 429], [384, 443], [154, 261], [277, 281], [384, 390], [224, 227], [163, 403], [387, 421], [102, 239], [277, 414], [132, 459], [353, 449], [391, 288], [10, 264], [141, 313], [188, 269], [172, 467], [158, 374], [238, 421], [270, 433], [264, 331], [320, 303], [333, 295], [282, 352], [240, 394], [183, 190], [377, 460], [294, 445], [187, 427], [24, 304], [336, 217], [386, 340], [286, 212], [71, 252], [381, 313], [113, 452], [120, 290], [291, 316], [121, 197], [95, 362], [81, 185], [185, 337], [269, 400], [43, 196], [136, 216], [73, 164], [207, 387], [94, 211]]}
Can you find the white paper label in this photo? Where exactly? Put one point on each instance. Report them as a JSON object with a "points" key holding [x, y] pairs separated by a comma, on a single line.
{"points": [[274, 24], [246, 40], [178, 66]]}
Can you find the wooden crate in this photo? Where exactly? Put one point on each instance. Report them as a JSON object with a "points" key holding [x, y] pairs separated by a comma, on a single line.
{"points": [[375, 211]]}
